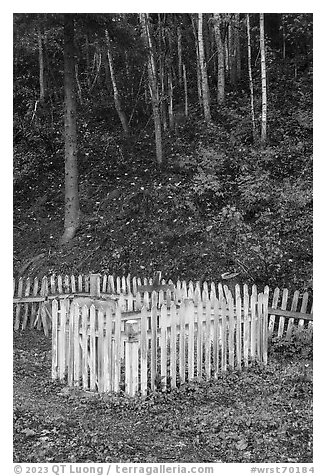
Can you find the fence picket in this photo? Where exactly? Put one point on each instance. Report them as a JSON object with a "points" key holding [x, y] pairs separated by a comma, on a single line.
{"points": [[84, 345], [274, 305], [54, 371], [66, 284], [26, 294], [76, 345], [107, 350], [117, 350], [303, 307], [100, 351], [154, 340], [59, 281], [173, 346], [18, 306], [245, 328], [265, 327], [73, 283], [238, 328], [232, 327], [92, 348], [163, 324], [208, 339], [216, 337], [294, 306], [52, 284], [62, 340], [80, 283], [283, 307], [199, 340], [182, 343], [253, 326], [74, 309], [223, 336], [190, 318]]}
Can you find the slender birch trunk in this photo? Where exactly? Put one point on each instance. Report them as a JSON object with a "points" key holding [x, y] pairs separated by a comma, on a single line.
{"points": [[233, 71], [237, 45], [263, 81], [116, 95], [220, 59], [153, 87], [251, 85], [203, 70], [170, 103], [41, 64], [185, 84], [72, 210], [199, 81], [179, 39]]}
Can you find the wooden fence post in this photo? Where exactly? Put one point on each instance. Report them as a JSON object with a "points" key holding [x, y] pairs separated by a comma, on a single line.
{"points": [[132, 330]]}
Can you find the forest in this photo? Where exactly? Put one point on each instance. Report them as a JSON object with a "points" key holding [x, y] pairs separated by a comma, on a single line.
{"points": [[172, 142]]}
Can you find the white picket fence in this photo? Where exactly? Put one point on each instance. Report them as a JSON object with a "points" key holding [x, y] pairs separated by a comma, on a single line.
{"points": [[106, 348]]}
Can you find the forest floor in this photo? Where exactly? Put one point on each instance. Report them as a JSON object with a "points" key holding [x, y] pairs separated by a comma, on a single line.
{"points": [[263, 414]]}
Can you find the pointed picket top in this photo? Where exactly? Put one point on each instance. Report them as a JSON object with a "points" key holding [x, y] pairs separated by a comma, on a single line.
{"points": [[197, 293], [45, 286], [245, 290], [123, 285], [212, 294], [237, 290], [104, 283], [220, 291], [134, 286], [184, 289], [80, 283], [190, 290], [67, 284], [59, 284], [128, 284]]}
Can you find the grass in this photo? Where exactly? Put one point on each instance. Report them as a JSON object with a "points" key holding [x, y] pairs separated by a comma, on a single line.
{"points": [[260, 415]]}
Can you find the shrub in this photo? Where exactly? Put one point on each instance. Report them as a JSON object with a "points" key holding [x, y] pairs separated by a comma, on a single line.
{"points": [[299, 346]]}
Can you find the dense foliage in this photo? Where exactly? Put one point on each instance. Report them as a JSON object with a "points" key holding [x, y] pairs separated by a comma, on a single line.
{"points": [[219, 203]]}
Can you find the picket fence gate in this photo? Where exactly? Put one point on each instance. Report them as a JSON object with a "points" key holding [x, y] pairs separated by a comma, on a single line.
{"points": [[106, 349], [33, 297]]}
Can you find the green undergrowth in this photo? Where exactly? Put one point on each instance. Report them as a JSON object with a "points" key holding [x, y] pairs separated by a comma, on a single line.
{"points": [[262, 414]]}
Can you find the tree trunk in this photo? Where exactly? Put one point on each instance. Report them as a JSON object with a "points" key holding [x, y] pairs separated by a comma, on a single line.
{"points": [[251, 85], [179, 55], [233, 71], [153, 87], [263, 82], [221, 59], [72, 210], [88, 63], [203, 70], [116, 95], [199, 81], [41, 64], [185, 89], [170, 103], [237, 46]]}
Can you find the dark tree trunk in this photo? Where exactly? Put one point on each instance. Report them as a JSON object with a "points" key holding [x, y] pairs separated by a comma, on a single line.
{"points": [[72, 211]]}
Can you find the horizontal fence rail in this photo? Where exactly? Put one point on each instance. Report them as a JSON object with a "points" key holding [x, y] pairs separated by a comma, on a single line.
{"points": [[33, 297], [99, 348]]}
